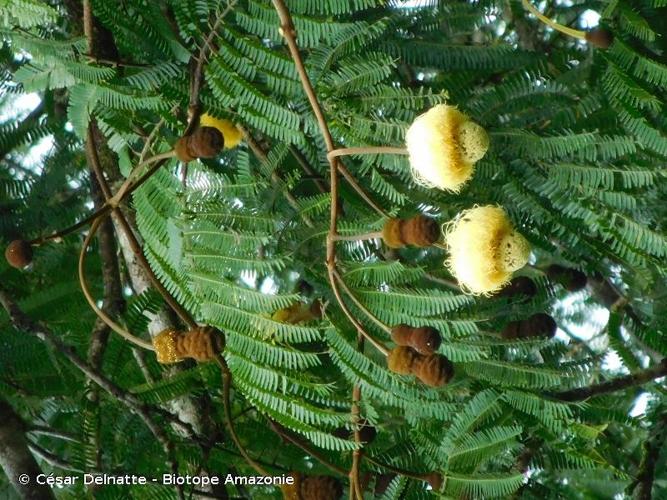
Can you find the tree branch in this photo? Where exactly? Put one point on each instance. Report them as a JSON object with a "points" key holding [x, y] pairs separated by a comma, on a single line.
{"points": [[617, 384], [643, 485], [15, 456]]}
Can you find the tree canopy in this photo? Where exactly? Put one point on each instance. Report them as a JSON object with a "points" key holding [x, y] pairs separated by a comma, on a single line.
{"points": [[388, 249]]}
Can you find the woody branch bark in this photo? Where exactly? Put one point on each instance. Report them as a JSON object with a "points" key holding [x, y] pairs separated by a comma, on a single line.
{"points": [[615, 384], [643, 484], [15, 456], [24, 323]]}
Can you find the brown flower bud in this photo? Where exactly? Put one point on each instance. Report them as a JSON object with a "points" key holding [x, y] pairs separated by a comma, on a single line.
{"points": [[320, 488], [292, 491], [571, 279], [511, 330], [419, 231], [401, 359], [434, 370], [201, 344], [391, 233], [19, 254], [521, 286], [538, 325], [204, 142], [600, 38], [424, 340]]}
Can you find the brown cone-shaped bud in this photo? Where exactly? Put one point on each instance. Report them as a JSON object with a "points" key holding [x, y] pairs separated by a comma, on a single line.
{"points": [[600, 38], [201, 343], [420, 231], [401, 359], [204, 142], [434, 479], [401, 334], [572, 280], [320, 488], [425, 340], [292, 491], [538, 325], [511, 330], [434, 370], [19, 254], [521, 286], [391, 233]]}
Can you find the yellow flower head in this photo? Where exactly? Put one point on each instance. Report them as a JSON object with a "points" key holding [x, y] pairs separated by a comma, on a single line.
{"points": [[230, 132], [444, 145], [166, 349], [484, 249]]}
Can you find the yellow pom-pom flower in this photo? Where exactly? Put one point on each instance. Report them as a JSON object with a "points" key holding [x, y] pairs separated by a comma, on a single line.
{"points": [[444, 146], [484, 249], [230, 132]]}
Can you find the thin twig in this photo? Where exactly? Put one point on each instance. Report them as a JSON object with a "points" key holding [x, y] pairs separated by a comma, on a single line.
{"points": [[360, 328], [53, 460], [194, 106], [363, 308], [106, 208], [289, 34], [49, 432], [445, 282], [91, 301], [282, 432], [226, 389], [367, 150], [301, 160], [359, 237], [358, 451], [357, 187], [396, 470], [275, 178]]}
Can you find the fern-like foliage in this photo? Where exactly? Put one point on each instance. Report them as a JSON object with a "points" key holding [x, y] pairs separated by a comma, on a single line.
{"points": [[577, 158]]}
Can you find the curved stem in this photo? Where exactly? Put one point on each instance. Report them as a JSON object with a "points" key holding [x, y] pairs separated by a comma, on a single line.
{"points": [[359, 237], [360, 328], [103, 210], [278, 429], [123, 192], [367, 150], [553, 24], [91, 301], [357, 453], [125, 188], [226, 389], [396, 470], [135, 246], [357, 303], [360, 191]]}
